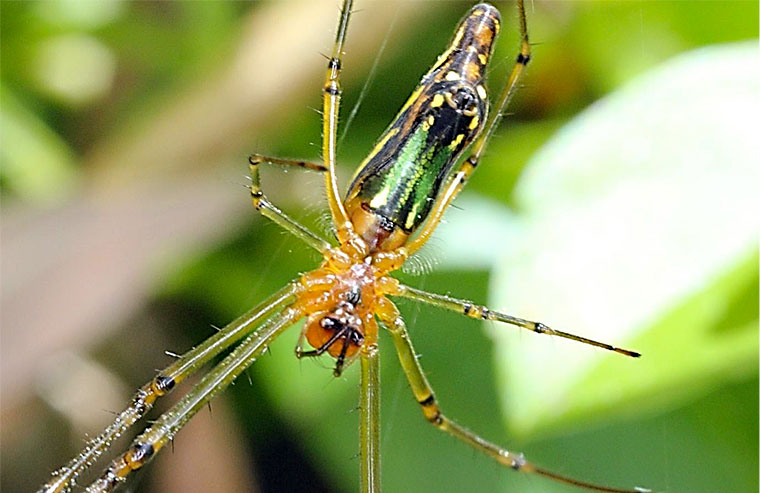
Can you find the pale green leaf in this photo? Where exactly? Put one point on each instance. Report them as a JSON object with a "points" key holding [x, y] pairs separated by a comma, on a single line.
{"points": [[639, 209]]}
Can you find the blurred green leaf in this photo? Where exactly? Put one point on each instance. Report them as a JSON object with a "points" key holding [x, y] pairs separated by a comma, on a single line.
{"points": [[26, 140], [636, 215], [703, 342]]}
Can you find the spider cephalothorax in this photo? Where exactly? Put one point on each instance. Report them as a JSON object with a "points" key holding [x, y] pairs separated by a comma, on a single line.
{"points": [[340, 298]]}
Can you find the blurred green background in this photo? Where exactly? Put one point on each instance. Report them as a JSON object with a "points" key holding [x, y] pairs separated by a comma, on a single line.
{"points": [[618, 200]]}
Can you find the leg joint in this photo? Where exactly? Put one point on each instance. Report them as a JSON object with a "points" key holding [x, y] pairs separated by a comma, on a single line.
{"points": [[427, 401], [523, 59], [139, 454], [332, 88], [163, 384], [431, 411], [518, 461], [435, 418], [467, 308], [333, 64]]}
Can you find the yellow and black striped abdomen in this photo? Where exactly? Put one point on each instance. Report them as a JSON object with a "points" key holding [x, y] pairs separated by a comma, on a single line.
{"points": [[394, 188]]}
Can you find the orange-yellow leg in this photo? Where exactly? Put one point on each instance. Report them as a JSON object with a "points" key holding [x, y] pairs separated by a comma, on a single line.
{"points": [[424, 395], [331, 95], [64, 478], [472, 310], [162, 431], [460, 177], [270, 211]]}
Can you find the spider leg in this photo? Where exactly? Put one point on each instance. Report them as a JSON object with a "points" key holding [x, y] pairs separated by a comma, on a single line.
{"points": [[369, 418], [162, 431], [64, 478], [331, 95], [472, 310], [258, 158], [460, 177], [270, 211], [424, 395]]}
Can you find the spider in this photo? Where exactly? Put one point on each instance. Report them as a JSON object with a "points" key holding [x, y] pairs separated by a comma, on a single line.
{"points": [[392, 207]]}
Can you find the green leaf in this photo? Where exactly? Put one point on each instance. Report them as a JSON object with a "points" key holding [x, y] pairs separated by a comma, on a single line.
{"points": [[37, 164], [635, 224], [697, 345]]}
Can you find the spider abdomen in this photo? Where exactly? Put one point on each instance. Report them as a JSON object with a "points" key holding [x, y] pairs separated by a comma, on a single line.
{"points": [[394, 188]]}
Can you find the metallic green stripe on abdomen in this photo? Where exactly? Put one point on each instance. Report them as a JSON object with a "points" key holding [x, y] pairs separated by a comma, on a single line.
{"points": [[401, 190]]}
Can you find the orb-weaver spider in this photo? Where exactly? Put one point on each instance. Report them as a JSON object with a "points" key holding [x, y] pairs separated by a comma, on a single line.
{"points": [[395, 202]]}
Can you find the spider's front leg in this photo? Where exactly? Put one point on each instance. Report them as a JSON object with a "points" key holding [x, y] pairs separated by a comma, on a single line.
{"points": [[167, 379], [162, 431], [472, 310], [270, 211]]}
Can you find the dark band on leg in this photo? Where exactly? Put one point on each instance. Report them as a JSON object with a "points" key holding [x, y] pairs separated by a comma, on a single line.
{"points": [[140, 454], [428, 401], [164, 384], [523, 59]]}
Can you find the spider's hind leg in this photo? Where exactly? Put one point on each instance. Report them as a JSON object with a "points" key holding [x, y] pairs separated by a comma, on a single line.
{"points": [[425, 397]]}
